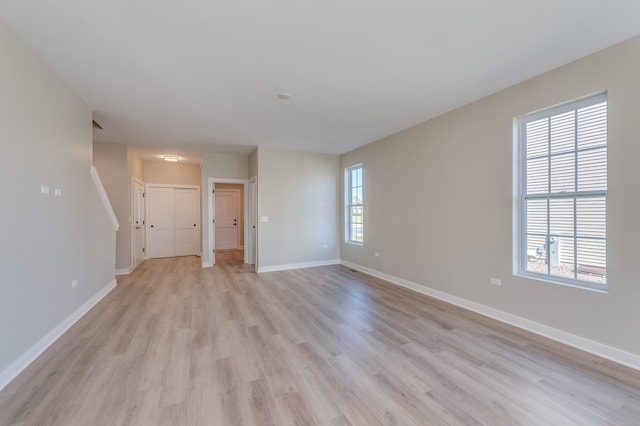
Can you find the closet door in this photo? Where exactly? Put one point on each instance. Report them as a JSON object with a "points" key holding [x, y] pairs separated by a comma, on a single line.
{"points": [[161, 222], [187, 221]]}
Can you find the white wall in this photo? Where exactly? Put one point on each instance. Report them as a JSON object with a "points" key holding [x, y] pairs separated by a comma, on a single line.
{"points": [[110, 159], [221, 166], [438, 202], [47, 241], [299, 192]]}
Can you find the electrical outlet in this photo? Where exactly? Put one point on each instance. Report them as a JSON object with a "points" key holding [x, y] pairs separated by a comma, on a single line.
{"points": [[495, 281], [376, 254], [74, 283]]}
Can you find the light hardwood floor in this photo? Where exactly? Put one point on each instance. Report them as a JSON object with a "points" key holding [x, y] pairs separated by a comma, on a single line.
{"points": [[174, 344]]}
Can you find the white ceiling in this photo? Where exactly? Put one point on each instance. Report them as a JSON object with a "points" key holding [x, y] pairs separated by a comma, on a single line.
{"points": [[203, 75]]}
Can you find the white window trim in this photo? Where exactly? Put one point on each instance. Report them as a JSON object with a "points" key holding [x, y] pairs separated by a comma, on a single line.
{"points": [[519, 181], [348, 204]]}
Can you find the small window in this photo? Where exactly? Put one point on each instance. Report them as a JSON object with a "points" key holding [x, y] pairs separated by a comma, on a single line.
{"points": [[562, 188], [354, 204]]}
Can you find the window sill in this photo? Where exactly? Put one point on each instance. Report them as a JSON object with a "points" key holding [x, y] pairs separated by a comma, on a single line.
{"points": [[582, 285]]}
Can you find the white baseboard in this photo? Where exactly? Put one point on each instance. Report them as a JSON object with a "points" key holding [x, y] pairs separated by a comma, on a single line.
{"points": [[36, 350], [274, 268], [207, 264], [605, 351], [125, 271]]}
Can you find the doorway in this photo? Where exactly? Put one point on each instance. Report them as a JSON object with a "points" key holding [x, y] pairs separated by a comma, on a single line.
{"points": [[229, 216], [137, 223], [209, 252]]}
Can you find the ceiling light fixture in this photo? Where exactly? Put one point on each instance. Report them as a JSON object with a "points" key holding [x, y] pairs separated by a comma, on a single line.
{"points": [[284, 96], [172, 158]]}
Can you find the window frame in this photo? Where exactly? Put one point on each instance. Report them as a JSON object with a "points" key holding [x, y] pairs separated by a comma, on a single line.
{"points": [[349, 186], [521, 196]]}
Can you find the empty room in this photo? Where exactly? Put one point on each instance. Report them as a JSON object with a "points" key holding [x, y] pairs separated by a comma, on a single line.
{"points": [[329, 213]]}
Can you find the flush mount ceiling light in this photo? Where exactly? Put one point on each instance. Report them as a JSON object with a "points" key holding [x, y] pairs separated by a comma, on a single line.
{"points": [[284, 96], [172, 158]]}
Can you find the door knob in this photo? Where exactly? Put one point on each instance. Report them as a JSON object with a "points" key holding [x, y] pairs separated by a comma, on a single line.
{"points": [[194, 224], [152, 226]]}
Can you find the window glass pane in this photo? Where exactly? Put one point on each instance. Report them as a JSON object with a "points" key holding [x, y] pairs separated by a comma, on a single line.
{"points": [[592, 126], [592, 170], [537, 137], [561, 257], [538, 176], [561, 217], [592, 260], [536, 254], [563, 132], [563, 173], [565, 250], [591, 214], [536, 217]]}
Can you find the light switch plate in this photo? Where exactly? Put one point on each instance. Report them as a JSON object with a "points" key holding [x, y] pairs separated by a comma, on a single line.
{"points": [[264, 218]]}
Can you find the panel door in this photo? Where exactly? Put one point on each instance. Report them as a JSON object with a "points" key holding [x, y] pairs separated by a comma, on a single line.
{"points": [[187, 221], [226, 212], [161, 222]]}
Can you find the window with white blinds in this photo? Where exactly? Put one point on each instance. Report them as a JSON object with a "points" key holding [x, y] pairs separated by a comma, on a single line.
{"points": [[563, 193]]}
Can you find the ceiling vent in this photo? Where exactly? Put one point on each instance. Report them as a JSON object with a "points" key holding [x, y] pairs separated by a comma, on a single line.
{"points": [[96, 125]]}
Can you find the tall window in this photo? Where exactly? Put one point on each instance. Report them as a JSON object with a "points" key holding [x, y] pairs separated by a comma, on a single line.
{"points": [[563, 193], [354, 204]]}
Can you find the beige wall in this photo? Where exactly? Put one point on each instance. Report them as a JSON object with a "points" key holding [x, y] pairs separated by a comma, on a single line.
{"points": [[111, 161], [219, 166], [135, 165], [171, 173], [439, 198], [47, 241], [299, 192]]}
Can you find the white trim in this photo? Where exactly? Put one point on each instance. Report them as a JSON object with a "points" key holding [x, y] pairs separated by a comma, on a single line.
{"points": [[104, 197], [298, 265], [207, 264], [125, 271], [600, 349], [36, 350], [134, 181]]}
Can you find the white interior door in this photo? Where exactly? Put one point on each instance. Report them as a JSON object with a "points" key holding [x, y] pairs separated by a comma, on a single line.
{"points": [[137, 218], [226, 211], [161, 222], [187, 221]]}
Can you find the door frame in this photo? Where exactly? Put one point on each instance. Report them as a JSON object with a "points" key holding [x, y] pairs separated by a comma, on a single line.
{"points": [[135, 181], [252, 223], [212, 214]]}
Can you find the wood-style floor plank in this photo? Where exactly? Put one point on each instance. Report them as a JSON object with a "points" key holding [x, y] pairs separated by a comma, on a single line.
{"points": [[175, 344]]}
